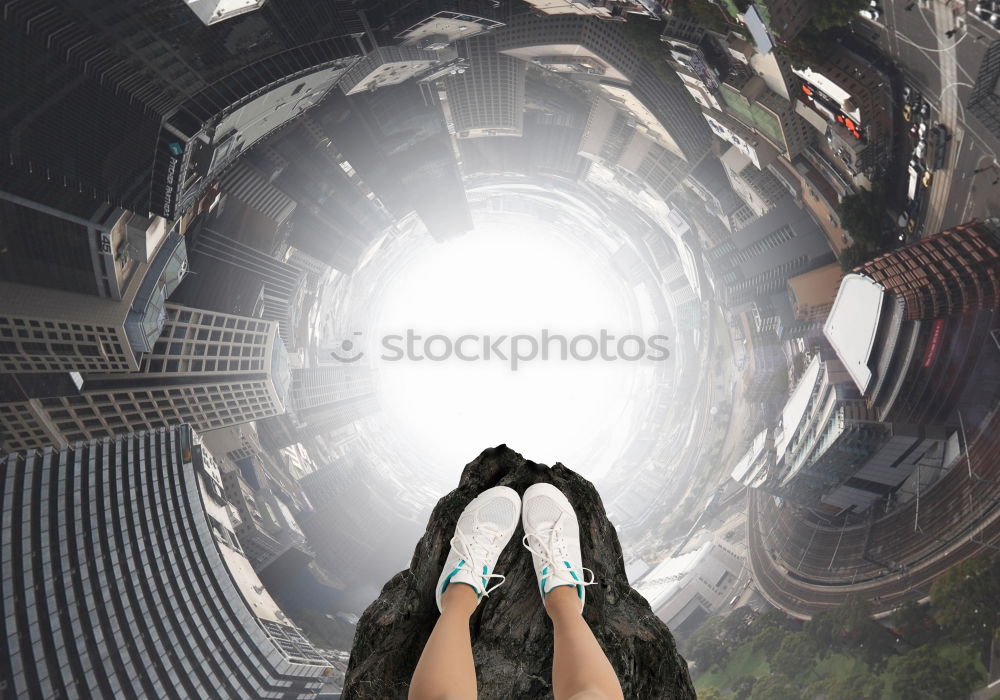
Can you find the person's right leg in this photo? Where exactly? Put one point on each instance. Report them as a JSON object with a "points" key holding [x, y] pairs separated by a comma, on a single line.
{"points": [[580, 670]]}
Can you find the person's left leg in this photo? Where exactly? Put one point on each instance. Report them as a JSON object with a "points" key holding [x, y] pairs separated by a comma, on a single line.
{"points": [[446, 670]]}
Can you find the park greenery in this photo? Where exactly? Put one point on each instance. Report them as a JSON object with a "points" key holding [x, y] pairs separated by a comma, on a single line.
{"points": [[938, 651]]}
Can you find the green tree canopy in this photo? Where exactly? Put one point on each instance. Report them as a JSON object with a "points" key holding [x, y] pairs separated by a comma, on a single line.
{"points": [[966, 599], [706, 646], [775, 687], [796, 657], [768, 640], [922, 673], [836, 13], [861, 215]]}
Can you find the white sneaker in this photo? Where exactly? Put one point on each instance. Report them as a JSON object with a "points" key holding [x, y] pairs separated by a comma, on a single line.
{"points": [[552, 535], [483, 530]]}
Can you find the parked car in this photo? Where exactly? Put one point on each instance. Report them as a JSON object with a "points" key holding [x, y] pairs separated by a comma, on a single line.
{"points": [[907, 111], [906, 93], [925, 180], [922, 131], [925, 110], [871, 14], [920, 150]]}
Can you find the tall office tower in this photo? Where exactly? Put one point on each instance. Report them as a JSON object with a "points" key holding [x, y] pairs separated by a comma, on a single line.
{"points": [[185, 99], [759, 188], [612, 138], [211, 370], [831, 454], [252, 201], [488, 98], [339, 214], [357, 527], [603, 9], [709, 183], [230, 277], [953, 272], [397, 141], [137, 524], [600, 53], [758, 259], [911, 326], [327, 398], [51, 330], [316, 386]]}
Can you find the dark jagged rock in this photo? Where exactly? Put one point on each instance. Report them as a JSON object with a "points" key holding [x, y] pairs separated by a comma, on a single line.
{"points": [[511, 634]]}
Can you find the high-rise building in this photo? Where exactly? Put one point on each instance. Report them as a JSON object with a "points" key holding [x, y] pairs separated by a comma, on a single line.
{"points": [[487, 98], [230, 277], [395, 139], [211, 370], [600, 52], [758, 259], [910, 326], [831, 453], [185, 99], [759, 188], [355, 512], [614, 10], [134, 584], [748, 98], [324, 399], [51, 330]]}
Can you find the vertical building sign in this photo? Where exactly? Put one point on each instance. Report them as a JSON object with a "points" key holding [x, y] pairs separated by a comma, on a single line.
{"points": [[934, 344]]}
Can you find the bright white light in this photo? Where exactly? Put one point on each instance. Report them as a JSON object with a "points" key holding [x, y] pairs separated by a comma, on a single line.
{"points": [[510, 279]]}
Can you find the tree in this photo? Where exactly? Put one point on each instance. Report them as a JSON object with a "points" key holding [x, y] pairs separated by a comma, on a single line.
{"points": [[922, 673], [742, 687], [862, 686], [849, 628], [854, 256], [836, 13], [710, 694], [966, 599], [706, 646], [861, 215], [914, 623], [768, 640], [775, 687], [796, 656]]}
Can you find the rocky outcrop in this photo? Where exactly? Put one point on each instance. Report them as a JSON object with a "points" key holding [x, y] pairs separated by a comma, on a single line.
{"points": [[511, 635]]}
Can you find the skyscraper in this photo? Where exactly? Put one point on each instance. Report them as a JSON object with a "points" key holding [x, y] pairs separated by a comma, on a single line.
{"points": [[51, 330], [600, 53], [208, 369], [758, 259], [911, 325], [487, 99], [134, 584], [228, 273], [185, 99]]}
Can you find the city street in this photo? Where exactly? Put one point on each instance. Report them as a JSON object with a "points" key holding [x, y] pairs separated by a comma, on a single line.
{"points": [[944, 70]]}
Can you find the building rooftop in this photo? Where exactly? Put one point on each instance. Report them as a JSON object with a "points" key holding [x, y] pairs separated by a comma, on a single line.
{"points": [[853, 323]]}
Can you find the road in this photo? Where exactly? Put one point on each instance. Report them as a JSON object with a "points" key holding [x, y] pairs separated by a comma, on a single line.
{"points": [[944, 70]]}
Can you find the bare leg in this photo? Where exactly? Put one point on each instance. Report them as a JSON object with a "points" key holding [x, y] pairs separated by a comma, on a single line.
{"points": [[580, 670], [446, 670]]}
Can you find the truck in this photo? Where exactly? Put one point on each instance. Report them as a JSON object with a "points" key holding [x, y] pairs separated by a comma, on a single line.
{"points": [[911, 190]]}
